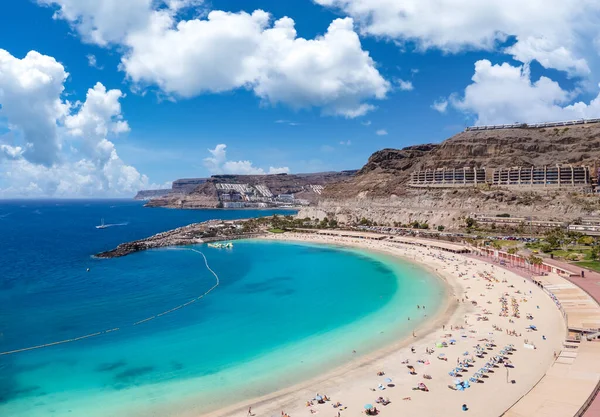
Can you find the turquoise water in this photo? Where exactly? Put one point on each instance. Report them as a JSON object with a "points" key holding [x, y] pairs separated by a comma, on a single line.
{"points": [[282, 313]]}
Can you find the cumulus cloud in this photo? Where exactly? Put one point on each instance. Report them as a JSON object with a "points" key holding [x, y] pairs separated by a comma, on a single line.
{"points": [[557, 33], [502, 94], [64, 149], [381, 132], [440, 105], [346, 142], [103, 22], [218, 164], [246, 50], [30, 90]]}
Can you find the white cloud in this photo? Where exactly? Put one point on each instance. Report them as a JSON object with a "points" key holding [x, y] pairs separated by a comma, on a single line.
{"points": [[381, 132], [10, 152], [549, 55], [93, 62], [502, 94], [280, 170], [346, 143], [30, 90], [64, 149], [287, 122], [557, 33], [366, 123], [217, 164], [440, 105], [331, 72], [103, 22], [405, 85]]}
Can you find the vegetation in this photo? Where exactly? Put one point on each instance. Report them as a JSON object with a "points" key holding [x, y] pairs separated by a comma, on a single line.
{"points": [[365, 222], [470, 222], [440, 228], [276, 231], [593, 265], [417, 225]]}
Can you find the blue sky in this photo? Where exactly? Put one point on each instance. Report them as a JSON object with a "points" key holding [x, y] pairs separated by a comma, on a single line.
{"points": [[391, 77]]}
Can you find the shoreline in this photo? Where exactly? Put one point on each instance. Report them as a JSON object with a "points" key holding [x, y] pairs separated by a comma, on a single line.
{"points": [[343, 379], [448, 310]]}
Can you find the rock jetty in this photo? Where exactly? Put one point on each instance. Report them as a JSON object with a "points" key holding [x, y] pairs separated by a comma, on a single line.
{"points": [[188, 235]]}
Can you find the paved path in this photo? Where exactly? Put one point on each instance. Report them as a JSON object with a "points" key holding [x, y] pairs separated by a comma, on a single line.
{"points": [[590, 284]]}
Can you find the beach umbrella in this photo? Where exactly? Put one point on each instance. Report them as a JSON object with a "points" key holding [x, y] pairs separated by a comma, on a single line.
{"points": [[318, 398], [368, 406], [442, 354], [388, 380], [452, 341]]}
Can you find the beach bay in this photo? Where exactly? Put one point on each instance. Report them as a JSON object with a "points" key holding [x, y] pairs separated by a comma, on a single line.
{"points": [[282, 314]]}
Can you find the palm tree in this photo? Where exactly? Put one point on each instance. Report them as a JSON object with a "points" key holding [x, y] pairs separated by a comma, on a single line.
{"points": [[512, 252], [536, 261]]}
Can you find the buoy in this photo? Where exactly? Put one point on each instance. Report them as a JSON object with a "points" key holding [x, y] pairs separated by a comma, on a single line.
{"points": [[88, 270]]}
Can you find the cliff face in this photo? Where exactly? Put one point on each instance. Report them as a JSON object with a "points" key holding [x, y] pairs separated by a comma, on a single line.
{"points": [[379, 190], [202, 196], [206, 195], [149, 194], [387, 171], [519, 147]]}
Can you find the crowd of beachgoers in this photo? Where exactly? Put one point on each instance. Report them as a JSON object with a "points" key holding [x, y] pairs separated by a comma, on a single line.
{"points": [[480, 353]]}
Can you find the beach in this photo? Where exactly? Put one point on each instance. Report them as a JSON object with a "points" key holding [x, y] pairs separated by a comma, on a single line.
{"points": [[473, 333]]}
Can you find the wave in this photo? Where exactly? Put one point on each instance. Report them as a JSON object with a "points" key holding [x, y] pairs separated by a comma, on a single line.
{"points": [[116, 224]]}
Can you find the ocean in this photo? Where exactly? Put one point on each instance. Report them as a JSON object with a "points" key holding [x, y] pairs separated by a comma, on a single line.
{"points": [[282, 312]]}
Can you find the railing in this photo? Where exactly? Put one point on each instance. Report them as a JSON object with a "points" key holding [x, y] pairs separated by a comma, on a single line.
{"points": [[533, 125], [589, 401]]}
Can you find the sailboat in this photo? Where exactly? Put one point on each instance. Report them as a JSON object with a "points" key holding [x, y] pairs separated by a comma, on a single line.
{"points": [[101, 225]]}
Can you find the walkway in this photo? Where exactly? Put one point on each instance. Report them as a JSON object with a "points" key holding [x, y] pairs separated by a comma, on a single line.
{"points": [[574, 377]]}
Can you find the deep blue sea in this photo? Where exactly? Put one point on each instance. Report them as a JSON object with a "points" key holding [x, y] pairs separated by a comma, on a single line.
{"points": [[282, 312]]}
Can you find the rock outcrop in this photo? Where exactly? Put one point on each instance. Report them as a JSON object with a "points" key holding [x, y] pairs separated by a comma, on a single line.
{"points": [[379, 191], [206, 195], [150, 194]]}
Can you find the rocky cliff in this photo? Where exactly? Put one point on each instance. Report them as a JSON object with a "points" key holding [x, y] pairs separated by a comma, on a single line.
{"points": [[387, 172], [149, 194], [379, 190], [206, 195]]}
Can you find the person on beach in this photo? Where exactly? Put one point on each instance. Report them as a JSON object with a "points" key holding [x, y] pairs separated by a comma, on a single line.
{"points": [[250, 411]]}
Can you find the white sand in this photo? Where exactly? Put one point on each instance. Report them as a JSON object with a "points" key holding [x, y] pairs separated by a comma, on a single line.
{"points": [[351, 384]]}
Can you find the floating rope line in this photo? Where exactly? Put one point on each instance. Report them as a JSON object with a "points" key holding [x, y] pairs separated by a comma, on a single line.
{"points": [[104, 332]]}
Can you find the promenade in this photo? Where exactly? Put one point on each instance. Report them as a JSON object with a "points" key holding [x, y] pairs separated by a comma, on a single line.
{"points": [[570, 387]]}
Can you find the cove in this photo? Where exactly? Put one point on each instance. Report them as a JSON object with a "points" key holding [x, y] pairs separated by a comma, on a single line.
{"points": [[283, 312]]}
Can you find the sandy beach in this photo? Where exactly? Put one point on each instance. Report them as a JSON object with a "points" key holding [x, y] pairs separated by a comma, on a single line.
{"points": [[487, 309]]}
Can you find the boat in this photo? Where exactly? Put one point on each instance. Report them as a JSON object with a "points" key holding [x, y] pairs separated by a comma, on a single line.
{"points": [[227, 245], [101, 225]]}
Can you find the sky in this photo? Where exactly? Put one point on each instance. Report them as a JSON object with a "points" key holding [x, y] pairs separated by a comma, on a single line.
{"points": [[103, 98]]}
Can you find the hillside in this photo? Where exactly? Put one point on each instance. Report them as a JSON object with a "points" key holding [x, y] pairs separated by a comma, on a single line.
{"points": [[387, 171], [380, 191], [251, 190]]}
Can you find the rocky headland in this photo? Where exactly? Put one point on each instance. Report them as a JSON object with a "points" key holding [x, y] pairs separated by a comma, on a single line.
{"points": [[192, 234], [380, 191]]}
